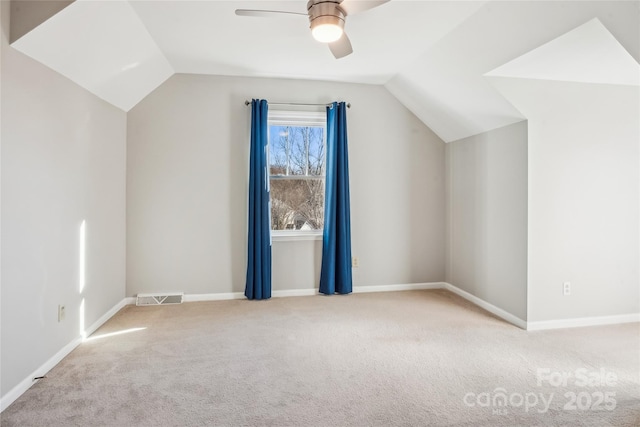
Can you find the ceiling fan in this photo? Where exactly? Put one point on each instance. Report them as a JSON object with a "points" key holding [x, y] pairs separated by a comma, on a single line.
{"points": [[326, 18]]}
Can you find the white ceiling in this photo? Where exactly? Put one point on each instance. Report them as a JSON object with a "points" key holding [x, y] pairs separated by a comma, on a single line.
{"points": [[588, 54], [446, 86], [102, 46], [432, 55]]}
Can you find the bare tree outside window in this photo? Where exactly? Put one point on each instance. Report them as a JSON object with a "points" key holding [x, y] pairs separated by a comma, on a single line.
{"points": [[297, 168]]}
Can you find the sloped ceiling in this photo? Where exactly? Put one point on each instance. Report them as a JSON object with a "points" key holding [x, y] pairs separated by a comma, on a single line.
{"points": [[102, 46], [432, 55], [588, 54], [598, 67], [445, 86]]}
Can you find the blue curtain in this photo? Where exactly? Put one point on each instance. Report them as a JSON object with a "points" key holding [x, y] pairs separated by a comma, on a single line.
{"points": [[259, 245], [335, 275]]}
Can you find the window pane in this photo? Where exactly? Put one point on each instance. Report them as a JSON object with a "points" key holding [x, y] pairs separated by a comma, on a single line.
{"points": [[296, 166], [298, 151], [278, 141], [297, 204], [316, 152]]}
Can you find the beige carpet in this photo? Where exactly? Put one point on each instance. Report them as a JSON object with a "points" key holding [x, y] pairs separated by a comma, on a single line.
{"points": [[419, 358]]}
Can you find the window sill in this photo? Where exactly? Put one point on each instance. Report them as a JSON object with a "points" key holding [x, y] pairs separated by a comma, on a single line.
{"points": [[294, 236]]}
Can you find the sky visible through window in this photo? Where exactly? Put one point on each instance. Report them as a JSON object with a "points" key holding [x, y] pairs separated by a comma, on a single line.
{"points": [[296, 150], [296, 165]]}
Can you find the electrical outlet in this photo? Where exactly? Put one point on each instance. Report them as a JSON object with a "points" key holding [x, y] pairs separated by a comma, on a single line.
{"points": [[566, 288], [355, 262], [61, 313]]}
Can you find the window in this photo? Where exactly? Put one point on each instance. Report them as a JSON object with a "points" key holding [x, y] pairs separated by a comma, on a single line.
{"points": [[297, 171]]}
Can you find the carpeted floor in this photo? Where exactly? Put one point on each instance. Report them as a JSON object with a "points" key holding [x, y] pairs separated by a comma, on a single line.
{"points": [[417, 358]]}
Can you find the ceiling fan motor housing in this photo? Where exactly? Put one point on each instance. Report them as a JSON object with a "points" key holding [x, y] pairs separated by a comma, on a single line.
{"points": [[325, 12]]}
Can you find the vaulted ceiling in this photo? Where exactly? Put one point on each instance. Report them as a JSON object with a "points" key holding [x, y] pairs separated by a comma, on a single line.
{"points": [[436, 57]]}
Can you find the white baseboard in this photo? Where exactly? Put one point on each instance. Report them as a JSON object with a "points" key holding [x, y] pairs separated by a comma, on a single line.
{"points": [[583, 321], [240, 295], [26, 383], [404, 287], [305, 292], [108, 315], [294, 293], [302, 292], [505, 315], [546, 324], [212, 297]]}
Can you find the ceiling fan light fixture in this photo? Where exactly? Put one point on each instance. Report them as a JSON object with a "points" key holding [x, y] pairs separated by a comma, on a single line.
{"points": [[327, 29]]}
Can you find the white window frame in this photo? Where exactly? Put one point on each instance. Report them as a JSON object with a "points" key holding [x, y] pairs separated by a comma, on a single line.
{"points": [[298, 119]]}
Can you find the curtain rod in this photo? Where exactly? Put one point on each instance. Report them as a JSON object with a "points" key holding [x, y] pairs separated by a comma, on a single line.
{"points": [[297, 104]]}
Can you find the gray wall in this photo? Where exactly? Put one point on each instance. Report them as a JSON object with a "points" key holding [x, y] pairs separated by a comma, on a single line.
{"points": [[63, 161], [584, 198], [487, 217], [187, 174]]}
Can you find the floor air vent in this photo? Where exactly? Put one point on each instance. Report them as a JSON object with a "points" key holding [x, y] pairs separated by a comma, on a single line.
{"points": [[159, 299]]}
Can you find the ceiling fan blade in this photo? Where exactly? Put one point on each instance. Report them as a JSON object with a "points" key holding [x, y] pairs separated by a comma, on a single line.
{"points": [[357, 6], [341, 47], [265, 13]]}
